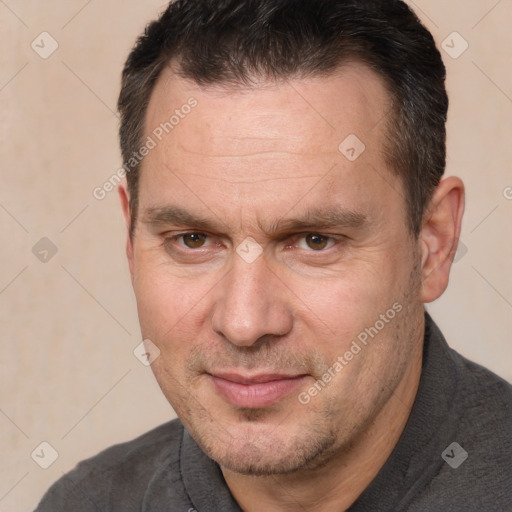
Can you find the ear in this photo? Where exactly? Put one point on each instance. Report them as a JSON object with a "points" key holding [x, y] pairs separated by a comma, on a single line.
{"points": [[124, 197], [439, 236]]}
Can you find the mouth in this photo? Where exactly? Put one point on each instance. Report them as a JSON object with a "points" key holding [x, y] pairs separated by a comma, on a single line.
{"points": [[255, 391]]}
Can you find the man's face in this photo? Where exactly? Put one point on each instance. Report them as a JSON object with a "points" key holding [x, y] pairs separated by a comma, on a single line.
{"points": [[243, 335]]}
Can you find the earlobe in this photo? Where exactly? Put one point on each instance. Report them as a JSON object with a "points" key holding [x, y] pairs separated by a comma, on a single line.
{"points": [[124, 197], [439, 236]]}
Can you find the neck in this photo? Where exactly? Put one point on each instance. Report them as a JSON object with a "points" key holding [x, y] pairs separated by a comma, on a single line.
{"points": [[335, 485]]}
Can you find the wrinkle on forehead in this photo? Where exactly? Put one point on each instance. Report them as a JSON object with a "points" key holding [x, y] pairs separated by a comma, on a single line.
{"points": [[257, 178], [295, 116]]}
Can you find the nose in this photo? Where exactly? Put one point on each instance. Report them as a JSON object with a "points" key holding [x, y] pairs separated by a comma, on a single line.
{"points": [[250, 304]]}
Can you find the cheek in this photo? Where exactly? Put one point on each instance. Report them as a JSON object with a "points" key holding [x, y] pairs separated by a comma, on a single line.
{"points": [[172, 315], [344, 303], [169, 307]]}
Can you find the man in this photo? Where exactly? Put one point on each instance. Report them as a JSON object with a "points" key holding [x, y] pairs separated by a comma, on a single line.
{"points": [[287, 221]]}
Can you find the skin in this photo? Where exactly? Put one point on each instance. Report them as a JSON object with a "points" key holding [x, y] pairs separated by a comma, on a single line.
{"points": [[244, 159]]}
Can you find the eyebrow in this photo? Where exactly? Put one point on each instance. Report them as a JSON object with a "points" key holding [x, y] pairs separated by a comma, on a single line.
{"points": [[311, 219]]}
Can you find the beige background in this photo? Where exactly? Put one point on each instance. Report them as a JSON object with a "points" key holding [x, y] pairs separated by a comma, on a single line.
{"points": [[69, 326]]}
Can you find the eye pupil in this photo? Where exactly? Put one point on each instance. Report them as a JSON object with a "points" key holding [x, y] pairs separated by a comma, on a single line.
{"points": [[316, 242], [194, 240]]}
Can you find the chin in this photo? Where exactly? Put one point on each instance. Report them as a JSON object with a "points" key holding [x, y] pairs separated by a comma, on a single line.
{"points": [[265, 452]]}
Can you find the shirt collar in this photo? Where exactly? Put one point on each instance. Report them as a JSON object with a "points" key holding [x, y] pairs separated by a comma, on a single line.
{"points": [[203, 479]]}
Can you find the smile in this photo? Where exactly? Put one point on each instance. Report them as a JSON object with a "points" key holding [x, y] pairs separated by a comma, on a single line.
{"points": [[255, 391]]}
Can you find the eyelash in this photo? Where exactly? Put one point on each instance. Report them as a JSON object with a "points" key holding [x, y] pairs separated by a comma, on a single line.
{"points": [[331, 239]]}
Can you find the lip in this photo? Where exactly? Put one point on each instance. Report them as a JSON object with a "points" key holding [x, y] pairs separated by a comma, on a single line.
{"points": [[254, 391]]}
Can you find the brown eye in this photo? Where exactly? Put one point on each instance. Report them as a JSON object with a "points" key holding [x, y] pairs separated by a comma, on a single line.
{"points": [[194, 240], [317, 242]]}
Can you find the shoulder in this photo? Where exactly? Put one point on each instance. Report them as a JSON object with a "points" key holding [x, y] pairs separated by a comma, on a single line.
{"points": [[478, 394], [481, 478], [100, 482], [485, 425], [485, 398]]}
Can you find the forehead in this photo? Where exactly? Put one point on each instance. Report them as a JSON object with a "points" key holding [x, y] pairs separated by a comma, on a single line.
{"points": [[308, 113], [282, 137]]}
